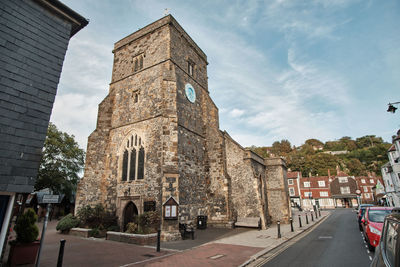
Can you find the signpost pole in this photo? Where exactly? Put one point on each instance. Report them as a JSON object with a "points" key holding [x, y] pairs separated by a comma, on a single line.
{"points": [[43, 231]]}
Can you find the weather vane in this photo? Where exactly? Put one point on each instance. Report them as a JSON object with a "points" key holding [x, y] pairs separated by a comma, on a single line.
{"points": [[166, 11]]}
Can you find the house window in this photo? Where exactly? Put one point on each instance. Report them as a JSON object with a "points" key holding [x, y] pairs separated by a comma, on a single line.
{"points": [[321, 183], [307, 194], [343, 180], [372, 181], [290, 181], [190, 68], [306, 184], [323, 193], [366, 195], [291, 191], [345, 190], [363, 181], [365, 188], [133, 159]]}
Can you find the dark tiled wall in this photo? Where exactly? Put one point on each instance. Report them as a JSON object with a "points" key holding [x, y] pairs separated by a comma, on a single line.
{"points": [[33, 43]]}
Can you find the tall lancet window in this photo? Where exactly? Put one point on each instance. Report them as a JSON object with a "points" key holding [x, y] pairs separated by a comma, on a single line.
{"points": [[133, 159]]}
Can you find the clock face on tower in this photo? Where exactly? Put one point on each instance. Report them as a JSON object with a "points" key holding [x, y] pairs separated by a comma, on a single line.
{"points": [[190, 92]]}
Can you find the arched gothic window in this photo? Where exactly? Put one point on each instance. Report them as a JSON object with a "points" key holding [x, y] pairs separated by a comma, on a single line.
{"points": [[133, 159]]}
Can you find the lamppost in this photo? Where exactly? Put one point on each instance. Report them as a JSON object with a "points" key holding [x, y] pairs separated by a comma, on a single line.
{"points": [[392, 108]]}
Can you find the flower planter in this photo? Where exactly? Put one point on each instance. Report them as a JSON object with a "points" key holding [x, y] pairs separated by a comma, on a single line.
{"points": [[23, 253]]}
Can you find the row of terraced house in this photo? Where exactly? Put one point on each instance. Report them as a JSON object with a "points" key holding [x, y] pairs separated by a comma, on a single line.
{"points": [[328, 192]]}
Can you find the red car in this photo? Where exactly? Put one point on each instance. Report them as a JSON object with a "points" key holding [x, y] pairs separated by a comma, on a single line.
{"points": [[372, 223]]}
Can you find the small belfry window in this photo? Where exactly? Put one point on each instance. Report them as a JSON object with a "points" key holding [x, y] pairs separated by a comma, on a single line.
{"points": [[190, 68], [138, 63], [133, 159]]}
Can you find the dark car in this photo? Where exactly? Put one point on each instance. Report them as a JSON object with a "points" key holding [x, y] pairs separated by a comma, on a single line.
{"points": [[360, 214], [387, 254]]}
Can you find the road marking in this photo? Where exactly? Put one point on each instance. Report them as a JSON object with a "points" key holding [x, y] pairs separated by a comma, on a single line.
{"points": [[217, 256], [325, 237], [366, 246], [368, 251], [370, 258]]}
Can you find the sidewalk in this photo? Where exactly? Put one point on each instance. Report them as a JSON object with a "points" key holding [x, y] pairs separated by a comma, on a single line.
{"points": [[211, 247]]}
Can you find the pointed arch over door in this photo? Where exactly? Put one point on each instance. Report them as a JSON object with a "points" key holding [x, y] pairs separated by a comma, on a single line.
{"points": [[130, 212]]}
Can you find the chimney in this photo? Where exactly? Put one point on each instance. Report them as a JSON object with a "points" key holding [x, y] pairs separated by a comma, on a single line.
{"points": [[329, 173], [337, 169]]}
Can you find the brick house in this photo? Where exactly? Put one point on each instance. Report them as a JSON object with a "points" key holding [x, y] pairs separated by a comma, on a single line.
{"points": [[366, 185]]}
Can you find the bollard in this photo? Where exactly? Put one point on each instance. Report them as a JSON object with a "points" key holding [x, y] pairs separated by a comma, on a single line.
{"points": [[291, 225], [316, 215], [312, 217], [61, 253], [158, 240], [279, 229], [319, 211], [306, 218], [300, 221]]}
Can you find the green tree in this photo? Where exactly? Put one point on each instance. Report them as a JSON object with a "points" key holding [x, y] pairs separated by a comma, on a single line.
{"points": [[355, 167], [62, 161], [368, 141], [281, 148], [314, 142]]}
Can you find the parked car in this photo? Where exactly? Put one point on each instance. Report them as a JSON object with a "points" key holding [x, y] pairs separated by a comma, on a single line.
{"points": [[360, 213], [387, 254], [372, 223]]}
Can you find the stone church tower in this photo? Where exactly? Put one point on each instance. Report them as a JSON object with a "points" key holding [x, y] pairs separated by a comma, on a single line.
{"points": [[157, 139]]}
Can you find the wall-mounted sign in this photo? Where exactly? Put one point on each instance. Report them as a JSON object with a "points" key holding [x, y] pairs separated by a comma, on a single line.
{"points": [[171, 209]]}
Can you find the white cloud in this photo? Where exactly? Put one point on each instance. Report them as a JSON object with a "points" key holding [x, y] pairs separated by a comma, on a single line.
{"points": [[236, 112]]}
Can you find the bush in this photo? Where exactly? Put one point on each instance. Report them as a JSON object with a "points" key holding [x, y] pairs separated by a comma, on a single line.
{"points": [[66, 223], [26, 229], [96, 217], [131, 228]]}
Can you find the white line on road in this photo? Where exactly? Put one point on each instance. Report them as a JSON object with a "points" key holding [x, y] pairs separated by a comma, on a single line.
{"points": [[370, 258], [366, 246], [368, 251]]}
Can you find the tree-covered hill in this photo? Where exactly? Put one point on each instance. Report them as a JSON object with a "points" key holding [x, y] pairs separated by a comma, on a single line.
{"points": [[355, 157]]}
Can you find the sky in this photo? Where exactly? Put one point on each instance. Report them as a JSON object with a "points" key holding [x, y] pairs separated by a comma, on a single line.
{"points": [[278, 69]]}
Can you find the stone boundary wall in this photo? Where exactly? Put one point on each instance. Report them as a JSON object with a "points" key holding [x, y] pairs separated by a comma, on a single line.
{"points": [[132, 238], [82, 232]]}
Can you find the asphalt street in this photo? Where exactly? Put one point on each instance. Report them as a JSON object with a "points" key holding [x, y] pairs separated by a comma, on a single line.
{"points": [[336, 242]]}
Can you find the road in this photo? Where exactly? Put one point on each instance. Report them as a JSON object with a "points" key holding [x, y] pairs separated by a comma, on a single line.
{"points": [[336, 242]]}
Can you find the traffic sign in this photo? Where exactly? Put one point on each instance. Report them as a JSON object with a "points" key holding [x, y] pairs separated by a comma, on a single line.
{"points": [[50, 199]]}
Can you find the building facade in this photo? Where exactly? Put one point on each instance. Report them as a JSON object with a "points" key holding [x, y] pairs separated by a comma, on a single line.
{"points": [[34, 39], [329, 192], [157, 138], [391, 173]]}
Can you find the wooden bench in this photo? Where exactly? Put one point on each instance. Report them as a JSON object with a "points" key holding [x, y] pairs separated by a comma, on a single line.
{"points": [[249, 222], [184, 229]]}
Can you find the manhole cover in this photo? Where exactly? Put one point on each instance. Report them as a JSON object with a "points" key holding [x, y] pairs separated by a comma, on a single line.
{"points": [[216, 256], [148, 255]]}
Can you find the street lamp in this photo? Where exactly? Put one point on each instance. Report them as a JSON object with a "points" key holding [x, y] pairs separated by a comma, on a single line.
{"points": [[392, 108]]}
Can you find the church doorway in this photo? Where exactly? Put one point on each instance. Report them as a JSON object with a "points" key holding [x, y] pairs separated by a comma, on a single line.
{"points": [[130, 212]]}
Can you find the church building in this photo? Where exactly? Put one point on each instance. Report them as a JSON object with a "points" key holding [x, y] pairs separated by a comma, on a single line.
{"points": [[157, 144]]}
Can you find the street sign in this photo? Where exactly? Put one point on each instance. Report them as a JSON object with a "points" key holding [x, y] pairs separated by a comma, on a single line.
{"points": [[50, 199]]}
